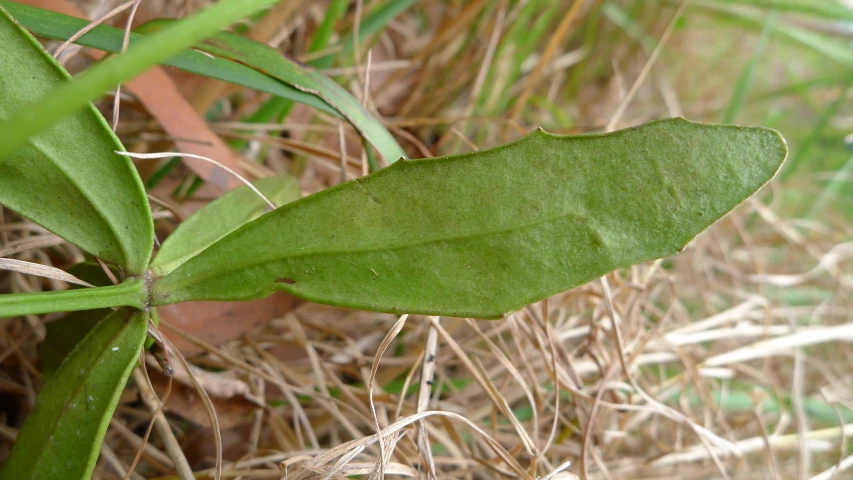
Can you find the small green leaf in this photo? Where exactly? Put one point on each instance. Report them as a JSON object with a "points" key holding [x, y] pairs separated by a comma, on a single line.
{"points": [[62, 436], [68, 178], [485, 233], [221, 217]]}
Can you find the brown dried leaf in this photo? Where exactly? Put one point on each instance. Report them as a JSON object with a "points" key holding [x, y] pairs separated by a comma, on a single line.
{"points": [[185, 401], [220, 322]]}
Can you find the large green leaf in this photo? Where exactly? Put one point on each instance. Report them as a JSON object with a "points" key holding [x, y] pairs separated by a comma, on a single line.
{"points": [[68, 178], [62, 436], [221, 217], [485, 233]]}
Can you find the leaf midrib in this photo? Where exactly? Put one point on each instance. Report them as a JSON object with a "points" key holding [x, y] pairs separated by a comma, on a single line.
{"points": [[592, 224]]}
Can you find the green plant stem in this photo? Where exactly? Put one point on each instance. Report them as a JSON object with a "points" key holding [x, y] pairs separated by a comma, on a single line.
{"points": [[130, 293], [72, 96]]}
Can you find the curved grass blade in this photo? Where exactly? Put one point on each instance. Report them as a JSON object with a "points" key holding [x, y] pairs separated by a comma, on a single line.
{"points": [[62, 436], [291, 81], [276, 108], [485, 233], [221, 217], [69, 97], [49, 24], [68, 178], [269, 61]]}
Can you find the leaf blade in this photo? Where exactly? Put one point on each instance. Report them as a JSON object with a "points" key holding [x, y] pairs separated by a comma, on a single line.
{"points": [[485, 233], [74, 163], [221, 217], [61, 437]]}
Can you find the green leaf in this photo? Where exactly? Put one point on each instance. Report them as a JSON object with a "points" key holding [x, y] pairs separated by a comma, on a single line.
{"points": [[269, 61], [284, 79], [64, 334], [69, 97], [62, 436], [221, 217], [68, 178], [485, 233]]}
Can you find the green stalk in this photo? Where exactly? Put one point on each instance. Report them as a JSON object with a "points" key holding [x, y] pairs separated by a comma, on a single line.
{"points": [[72, 96], [130, 293]]}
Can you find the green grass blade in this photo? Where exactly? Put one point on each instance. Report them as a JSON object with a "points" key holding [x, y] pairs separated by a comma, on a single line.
{"points": [[334, 12], [829, 9], [277, 108], [746, 76], [68, 178], [819, 126], [62, 436], [622, 19], [221, 217], [54, 25], [272, 73], [486, 233], [370, 25], [70, 97], [837, 51], [270, 62], [833, 190]]}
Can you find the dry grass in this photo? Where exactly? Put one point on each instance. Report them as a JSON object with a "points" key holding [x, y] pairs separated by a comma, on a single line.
{"points": [[727, 361]]}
